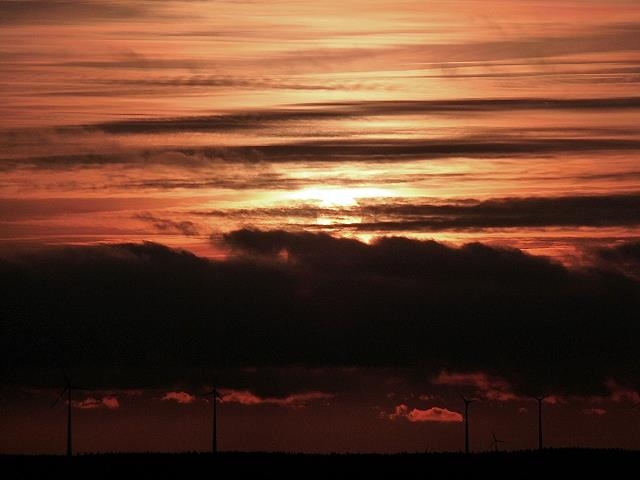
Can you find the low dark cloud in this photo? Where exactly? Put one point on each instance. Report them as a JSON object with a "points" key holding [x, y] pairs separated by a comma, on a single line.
{"points": [[624, 257], [144, 314]]}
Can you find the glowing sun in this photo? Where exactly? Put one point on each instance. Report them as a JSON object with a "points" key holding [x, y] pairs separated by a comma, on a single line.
{"points": [[339, 197]]}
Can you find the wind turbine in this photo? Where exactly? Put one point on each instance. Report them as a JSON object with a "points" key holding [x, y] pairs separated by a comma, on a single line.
{"points": [[68, 387], [467, 402], [539, 400], [496, 442], [215, 396]]}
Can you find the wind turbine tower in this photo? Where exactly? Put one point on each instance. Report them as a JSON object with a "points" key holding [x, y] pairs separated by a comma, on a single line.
{"points": [[539, 400], [467, 402], [215, 396], [68, 387]]}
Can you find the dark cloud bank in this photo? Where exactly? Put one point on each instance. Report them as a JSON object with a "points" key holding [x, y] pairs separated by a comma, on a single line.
{"points": [[147, 315]]}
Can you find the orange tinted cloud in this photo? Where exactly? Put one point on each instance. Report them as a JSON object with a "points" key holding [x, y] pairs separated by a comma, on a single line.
{"points": [[92, 403], [179, 397], [245, 397], [433, 414], [491, 388]]}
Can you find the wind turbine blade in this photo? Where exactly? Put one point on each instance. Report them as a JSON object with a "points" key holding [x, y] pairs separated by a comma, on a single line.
{"points": [[64, 390]]}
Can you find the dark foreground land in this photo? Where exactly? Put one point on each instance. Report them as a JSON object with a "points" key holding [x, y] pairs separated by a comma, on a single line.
{"points": [[524, 464]]}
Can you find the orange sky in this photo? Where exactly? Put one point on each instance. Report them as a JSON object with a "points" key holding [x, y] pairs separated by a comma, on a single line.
{"points": [[348, 91]]}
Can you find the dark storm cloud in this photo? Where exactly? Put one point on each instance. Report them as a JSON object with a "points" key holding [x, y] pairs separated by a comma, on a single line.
{"points": [[160, 315]]}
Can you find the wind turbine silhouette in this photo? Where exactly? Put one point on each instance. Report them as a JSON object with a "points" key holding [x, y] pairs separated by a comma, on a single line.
{"points": [[539, 400], [467, 402], [68, 388], [496, 442], [215, 396]]}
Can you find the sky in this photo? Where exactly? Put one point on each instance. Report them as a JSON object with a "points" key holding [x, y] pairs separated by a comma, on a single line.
{"points": [[342, 214]]}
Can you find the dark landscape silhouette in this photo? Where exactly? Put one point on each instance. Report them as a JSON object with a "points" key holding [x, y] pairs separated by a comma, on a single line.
{"points": [[523, 464]]}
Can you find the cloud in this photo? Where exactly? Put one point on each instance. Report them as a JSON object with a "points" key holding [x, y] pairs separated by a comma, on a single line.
{"points": [[179, 397], [433, 414], [398, 257], [92, 403], [99, 143], [603, 38], [624, 258], [418, 215], [297, 400], [65, 11], [198, 81], [166, 225], [122, 313], [594, 412], [491, 388], [253, 119], [593, 211], [111, 402], [620, 393], [336, 150]]}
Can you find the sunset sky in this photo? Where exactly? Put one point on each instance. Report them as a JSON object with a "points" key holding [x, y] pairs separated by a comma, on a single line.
{"points": [[344, 214]]}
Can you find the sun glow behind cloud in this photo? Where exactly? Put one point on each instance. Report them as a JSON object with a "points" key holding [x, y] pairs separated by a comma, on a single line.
{"points": [[340, 197]]}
